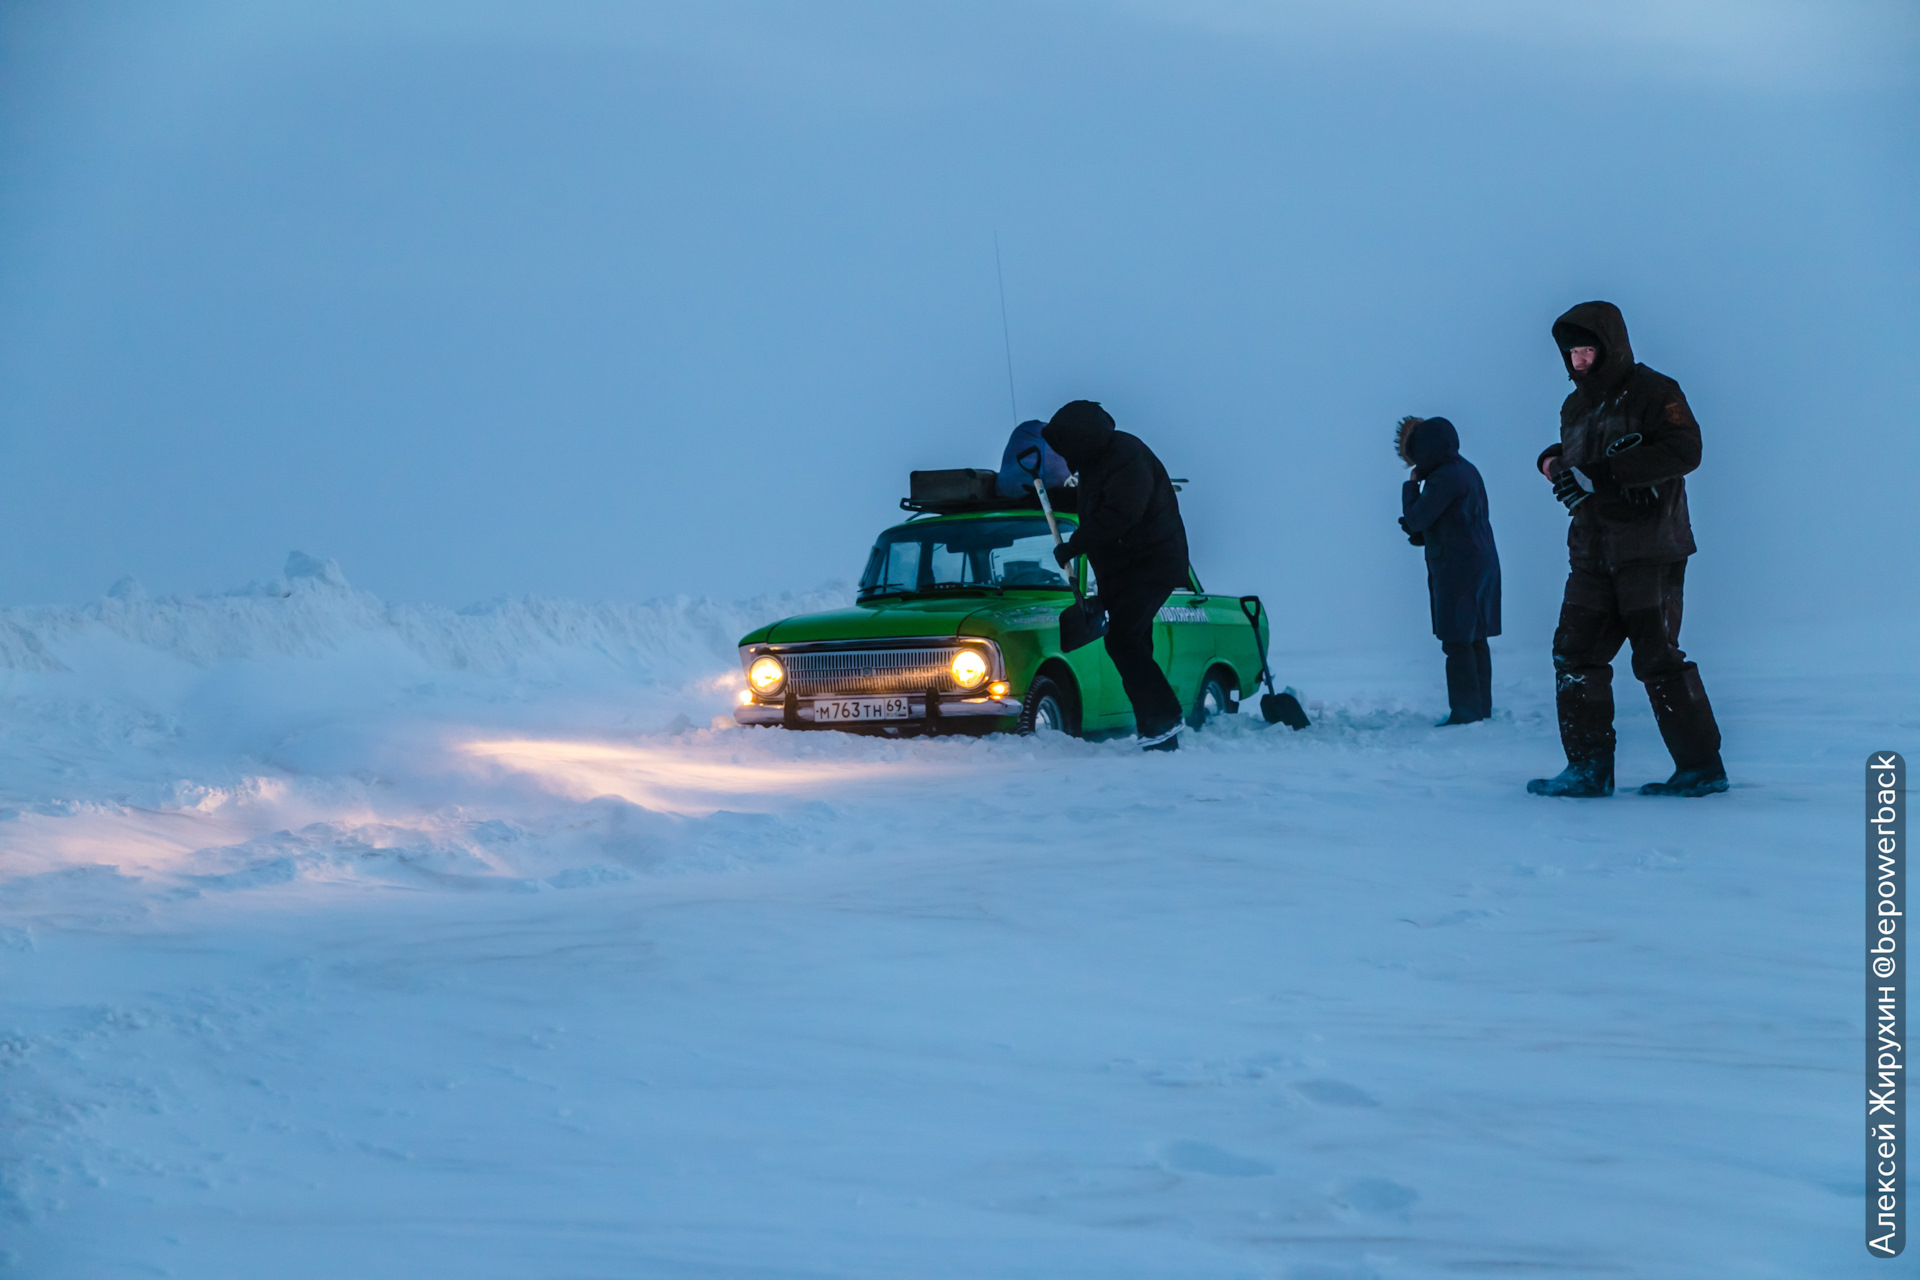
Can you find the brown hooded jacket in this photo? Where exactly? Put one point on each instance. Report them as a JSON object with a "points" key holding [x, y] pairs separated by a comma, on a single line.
{"points": [[1638, 512]]}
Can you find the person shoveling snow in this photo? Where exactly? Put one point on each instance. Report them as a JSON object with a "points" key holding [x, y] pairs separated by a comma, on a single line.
{"points": [[1131, 532]]}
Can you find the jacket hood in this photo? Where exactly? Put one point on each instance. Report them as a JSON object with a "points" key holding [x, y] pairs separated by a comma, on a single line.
{"points": [[1080, 432], [1603, 321], [1430, 442]]}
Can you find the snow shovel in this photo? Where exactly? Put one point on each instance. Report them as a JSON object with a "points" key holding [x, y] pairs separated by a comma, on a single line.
{"points": [[1082, 622], [1277, 708]]}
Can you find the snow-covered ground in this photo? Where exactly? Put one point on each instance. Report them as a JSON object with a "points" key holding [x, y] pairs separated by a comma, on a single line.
{"points": [[344, 939]]}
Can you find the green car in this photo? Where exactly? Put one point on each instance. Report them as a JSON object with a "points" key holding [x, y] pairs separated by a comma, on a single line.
{"points": [[956, 629]]}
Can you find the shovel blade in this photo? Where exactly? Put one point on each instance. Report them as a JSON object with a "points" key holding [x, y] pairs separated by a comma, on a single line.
{"points": [[1080, 626], [1284, 708]]}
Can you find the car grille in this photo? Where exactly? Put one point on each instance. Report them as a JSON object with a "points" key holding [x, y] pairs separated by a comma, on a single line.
{"points": [[849, 672]]}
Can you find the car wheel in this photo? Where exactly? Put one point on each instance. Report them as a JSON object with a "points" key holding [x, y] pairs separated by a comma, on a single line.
{"points": [[1050, 707], [1215, 699]]}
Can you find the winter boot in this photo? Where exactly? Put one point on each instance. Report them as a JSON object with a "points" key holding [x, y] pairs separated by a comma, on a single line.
{"points": [[1483, 670], [1167, 741], [1687, 726], [1703, 781], [1463, 685], [1581, 779], [1584, 698]]}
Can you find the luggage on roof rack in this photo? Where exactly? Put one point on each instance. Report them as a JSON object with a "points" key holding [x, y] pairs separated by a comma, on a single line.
{"points": [[967, 486], [971, 489]]}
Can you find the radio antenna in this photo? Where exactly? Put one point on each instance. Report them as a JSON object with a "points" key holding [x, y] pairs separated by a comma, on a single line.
{"points": [[1006, 335]]}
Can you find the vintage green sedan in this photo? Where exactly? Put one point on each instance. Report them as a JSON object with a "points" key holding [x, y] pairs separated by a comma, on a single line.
{"points": [[956, 629]]}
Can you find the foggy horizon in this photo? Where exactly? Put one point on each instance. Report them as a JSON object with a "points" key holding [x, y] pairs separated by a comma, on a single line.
{"points": [[628, 303]]}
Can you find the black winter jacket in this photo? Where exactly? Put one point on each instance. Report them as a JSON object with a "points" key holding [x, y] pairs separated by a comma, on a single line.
{"points": [[1638, 512], [1130, 526], [1445, 506]]}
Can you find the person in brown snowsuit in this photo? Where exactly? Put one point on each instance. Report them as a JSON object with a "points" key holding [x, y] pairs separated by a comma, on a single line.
{"points": [[1627, 437]]}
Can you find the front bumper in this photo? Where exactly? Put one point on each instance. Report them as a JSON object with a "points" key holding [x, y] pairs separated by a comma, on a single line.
{"points": [[950, 708], [914, 668]]}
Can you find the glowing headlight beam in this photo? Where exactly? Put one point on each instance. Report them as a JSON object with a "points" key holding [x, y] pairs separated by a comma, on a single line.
{"points": [[766, 675], [674, 780], [969, 669]]}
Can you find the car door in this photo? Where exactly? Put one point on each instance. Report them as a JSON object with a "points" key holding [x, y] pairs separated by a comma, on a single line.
{"points": [[1183, 640], [1103, 700], [1182, 646]]}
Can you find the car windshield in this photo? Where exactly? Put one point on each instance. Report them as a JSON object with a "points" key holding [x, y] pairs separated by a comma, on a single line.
{"points": [[953, 555]]}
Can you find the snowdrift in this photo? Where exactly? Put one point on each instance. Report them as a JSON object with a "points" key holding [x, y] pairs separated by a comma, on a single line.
{"points": [[299, 728], [310, 611], [332, 917]]}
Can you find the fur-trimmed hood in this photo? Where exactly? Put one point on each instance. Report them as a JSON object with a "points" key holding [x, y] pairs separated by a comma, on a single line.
{"points": [[1428, 444]]}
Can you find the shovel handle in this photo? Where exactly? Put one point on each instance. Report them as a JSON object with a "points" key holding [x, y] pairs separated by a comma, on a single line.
{"points": [[1040, 487], [1251, 606]]}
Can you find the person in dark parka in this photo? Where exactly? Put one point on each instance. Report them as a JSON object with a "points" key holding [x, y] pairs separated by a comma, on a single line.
{"points": [[1444, 509], [1627, 437], [1131, 532]]}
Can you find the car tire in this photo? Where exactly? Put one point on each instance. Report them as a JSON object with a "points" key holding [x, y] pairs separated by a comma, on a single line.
{"points": [[1050, 706], [1216, 699]]}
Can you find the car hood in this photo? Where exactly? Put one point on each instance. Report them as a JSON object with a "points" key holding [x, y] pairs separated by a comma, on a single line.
{"points": [[881, 620]]}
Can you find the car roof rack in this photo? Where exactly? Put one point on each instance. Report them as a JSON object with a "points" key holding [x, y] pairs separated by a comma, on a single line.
{"points": [[1065, 499]]}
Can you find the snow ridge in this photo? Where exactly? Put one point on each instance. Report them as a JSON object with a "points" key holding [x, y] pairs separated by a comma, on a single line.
{"points": [[310, 610]]}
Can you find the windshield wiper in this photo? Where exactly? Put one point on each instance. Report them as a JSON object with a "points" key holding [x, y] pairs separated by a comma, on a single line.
{"points": [[964, 586], [876, 593]]}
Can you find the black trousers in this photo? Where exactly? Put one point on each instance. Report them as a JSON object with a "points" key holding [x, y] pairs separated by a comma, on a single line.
{"points": [[1469, 680], [1639, 605], [1130, 612]]}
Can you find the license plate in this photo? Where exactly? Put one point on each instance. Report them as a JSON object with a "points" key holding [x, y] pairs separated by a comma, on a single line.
{"points": [[836, 710]]}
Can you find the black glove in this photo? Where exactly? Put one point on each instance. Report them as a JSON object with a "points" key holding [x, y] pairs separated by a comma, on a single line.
{"points": [[1568, 489], [1604, 484], [1640, 495], [1062, 554], [1417, 539]]}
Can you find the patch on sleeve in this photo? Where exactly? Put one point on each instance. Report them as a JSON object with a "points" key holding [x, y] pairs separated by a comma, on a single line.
{"points": [[1678, 413]]}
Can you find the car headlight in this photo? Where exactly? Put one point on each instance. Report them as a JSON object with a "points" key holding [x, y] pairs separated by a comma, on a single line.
{"points": [[969, 669], [766, 675]]}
